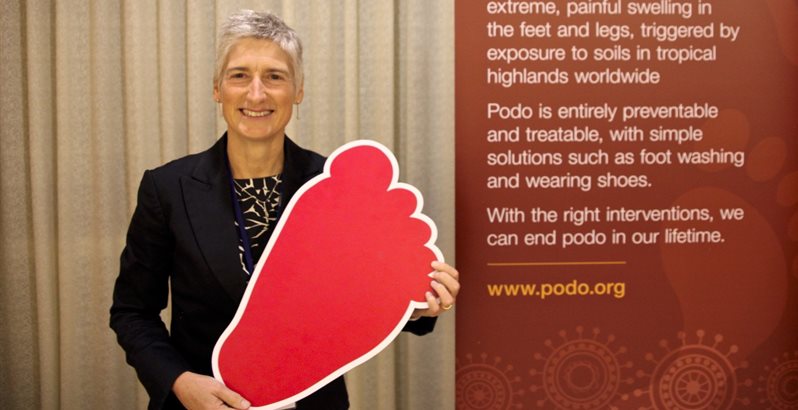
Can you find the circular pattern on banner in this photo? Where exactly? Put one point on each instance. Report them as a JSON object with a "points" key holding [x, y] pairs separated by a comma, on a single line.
{"points": [[581, 374], [584, 373], [694, 377], [482, 386], [781, 385]]}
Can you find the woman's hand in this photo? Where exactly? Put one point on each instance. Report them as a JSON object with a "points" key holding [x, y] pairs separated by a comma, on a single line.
{"points": [[197, 391], [446, 285]]}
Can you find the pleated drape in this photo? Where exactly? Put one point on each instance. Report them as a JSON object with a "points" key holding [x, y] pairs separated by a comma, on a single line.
{"points": [[95, 92]]}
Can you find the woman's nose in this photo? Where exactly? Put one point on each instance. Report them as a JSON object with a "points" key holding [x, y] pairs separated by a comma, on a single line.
{"points": [[257, 90]]}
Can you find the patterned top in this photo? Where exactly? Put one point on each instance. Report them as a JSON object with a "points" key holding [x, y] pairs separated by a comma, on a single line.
{"points": [[260, 201]]}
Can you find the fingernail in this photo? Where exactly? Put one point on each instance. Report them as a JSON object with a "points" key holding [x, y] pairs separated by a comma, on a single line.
{"points": [[435, 264], [429, 294], [245, 403], [431, 274]]}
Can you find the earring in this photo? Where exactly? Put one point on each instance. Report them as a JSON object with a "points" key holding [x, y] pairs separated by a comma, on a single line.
{"points": [[297, 111]]}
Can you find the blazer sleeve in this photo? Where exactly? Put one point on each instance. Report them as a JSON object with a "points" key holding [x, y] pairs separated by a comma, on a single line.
{"points": [[141, 292], [420, 326]]}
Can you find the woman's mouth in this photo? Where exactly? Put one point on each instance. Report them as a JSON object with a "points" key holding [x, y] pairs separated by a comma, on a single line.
{"points": [[250, 113]]}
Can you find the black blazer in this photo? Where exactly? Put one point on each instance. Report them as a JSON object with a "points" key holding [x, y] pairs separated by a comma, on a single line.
{"points": [[182, 231]]}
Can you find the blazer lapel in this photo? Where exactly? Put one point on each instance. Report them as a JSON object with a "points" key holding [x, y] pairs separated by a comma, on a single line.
{"points": [[210, 212], [297, 170]]}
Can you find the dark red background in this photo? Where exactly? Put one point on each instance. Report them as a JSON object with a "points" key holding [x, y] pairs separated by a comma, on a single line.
{"points": [[701, 326]]}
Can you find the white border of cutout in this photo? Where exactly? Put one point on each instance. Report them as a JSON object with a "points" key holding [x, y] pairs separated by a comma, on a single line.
{"points": [[395, 184]]}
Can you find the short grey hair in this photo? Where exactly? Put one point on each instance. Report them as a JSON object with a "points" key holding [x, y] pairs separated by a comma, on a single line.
{"points": [[263, 26]]}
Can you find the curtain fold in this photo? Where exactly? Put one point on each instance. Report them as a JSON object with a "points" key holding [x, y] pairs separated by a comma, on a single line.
{"points": [[39, 77], [95, 92], [18, 377]]}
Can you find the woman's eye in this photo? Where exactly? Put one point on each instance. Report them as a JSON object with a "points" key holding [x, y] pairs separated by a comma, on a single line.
{"points": [[238, 75]]}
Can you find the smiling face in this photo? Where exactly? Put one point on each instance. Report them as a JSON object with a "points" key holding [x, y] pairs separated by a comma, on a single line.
{"points": [[257, 90]]}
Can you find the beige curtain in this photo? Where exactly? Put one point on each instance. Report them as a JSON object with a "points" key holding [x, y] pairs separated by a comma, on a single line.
{"points": [[95, 92]]}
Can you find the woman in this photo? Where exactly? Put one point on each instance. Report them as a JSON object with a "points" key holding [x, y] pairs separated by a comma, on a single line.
{"points": [[187, 228]]}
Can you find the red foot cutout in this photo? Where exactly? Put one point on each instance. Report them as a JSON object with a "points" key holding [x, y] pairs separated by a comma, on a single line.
{"points": [[341, 275]]}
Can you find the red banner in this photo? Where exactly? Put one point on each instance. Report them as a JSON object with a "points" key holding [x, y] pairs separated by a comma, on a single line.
{"points": [[627, 204]]}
